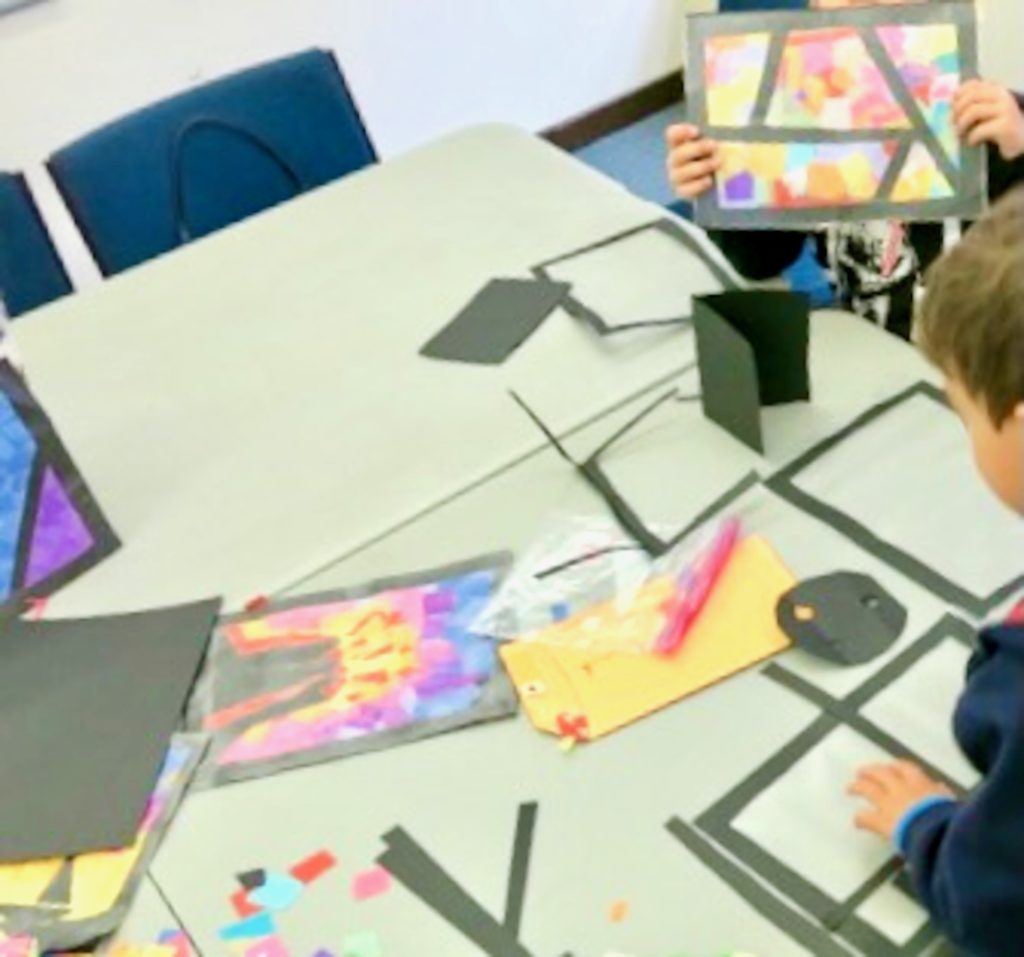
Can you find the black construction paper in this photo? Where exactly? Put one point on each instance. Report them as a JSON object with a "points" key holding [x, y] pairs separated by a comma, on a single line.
{"points": [[87, 709], [728, 374], [497, 321], [630, 522], [691, 252], [845, 618], [752, 352], [253, 879]]}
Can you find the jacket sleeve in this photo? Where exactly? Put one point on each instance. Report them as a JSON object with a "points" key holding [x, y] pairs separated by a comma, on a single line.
{"points": [[965, 858]]}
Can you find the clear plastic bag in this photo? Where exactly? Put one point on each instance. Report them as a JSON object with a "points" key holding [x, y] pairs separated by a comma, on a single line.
{"points": [[586, 584]]}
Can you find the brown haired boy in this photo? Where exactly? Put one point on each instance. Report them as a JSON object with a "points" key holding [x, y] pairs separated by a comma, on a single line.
{"points": [[966, 857]]}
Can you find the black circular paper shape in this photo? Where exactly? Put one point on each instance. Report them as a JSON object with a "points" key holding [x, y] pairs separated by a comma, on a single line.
{"points": [[845, 618]]}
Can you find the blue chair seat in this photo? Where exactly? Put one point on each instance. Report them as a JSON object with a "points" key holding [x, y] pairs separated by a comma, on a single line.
{"points": [[212, 156], [31, 273]]}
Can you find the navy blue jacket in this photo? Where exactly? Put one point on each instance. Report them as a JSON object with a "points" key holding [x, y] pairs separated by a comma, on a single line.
{"points": [[967, 858]]}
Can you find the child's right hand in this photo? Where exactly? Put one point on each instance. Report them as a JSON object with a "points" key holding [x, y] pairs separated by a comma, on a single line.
{"points": [[692, 161], [988, 113]]}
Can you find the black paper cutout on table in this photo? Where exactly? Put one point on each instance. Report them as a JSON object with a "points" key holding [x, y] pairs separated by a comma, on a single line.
{"points": [[752, 352], [623, 512], [497, 321], [603, 325], [89, 707], [846, 618]]}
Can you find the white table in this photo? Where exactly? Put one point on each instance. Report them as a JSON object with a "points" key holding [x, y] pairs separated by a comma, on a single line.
{"points": [[195, 393], [253, 406], [600, 831], [148, 918]]}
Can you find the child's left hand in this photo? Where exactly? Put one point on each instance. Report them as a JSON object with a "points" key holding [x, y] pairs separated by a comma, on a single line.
{"points": [[891, 790], [988, 113]]}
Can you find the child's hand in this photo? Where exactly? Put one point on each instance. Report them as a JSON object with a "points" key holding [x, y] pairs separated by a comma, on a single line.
{"points": [[692, 160], [988, 113], [891, 790]]}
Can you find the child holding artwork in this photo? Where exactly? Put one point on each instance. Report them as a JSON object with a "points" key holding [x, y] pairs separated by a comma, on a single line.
{"points": [[966, 857], [876, 263]]}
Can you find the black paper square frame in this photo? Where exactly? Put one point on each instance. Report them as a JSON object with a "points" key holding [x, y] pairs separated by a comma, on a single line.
{"points": [[717, 822], [580, 310], [628, 519], [782, 484]]}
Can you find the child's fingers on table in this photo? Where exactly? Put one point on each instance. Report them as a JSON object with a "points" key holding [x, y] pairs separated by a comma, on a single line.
{"points": [[880, 775], [916, 776], [870, 820], [867, 788], [911, 773]]}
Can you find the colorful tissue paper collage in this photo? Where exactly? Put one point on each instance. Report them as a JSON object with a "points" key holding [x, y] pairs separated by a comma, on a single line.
{"points": [[295, 685], [50, 527], [873, 100]]}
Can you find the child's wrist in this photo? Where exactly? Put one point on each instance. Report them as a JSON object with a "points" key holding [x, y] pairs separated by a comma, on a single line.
{"points": [[917, 810]]}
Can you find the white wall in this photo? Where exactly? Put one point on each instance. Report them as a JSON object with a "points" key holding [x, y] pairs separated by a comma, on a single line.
{"points": [[419, 68], [1002, 33]]}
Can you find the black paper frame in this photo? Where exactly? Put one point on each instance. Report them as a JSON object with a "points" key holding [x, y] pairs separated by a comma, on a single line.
{"points": [[122, 687], [782, 484], [968, 181], [837, 916], [629, 521], [580, 310]]}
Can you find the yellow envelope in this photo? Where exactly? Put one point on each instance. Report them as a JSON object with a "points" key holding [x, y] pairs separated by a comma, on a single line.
{"points": [[22, 885], [562, 686]]}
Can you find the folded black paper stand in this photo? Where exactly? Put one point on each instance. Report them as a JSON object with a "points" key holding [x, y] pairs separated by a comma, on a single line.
{"points": [[752, 352]]}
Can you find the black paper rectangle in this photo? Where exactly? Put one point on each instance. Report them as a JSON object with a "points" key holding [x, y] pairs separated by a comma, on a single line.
{"points": [[752, 352], [87, 708], [497, 321]]}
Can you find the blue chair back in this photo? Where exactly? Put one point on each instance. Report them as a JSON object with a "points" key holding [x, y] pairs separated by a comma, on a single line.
{"points": [[745, 6], [198, 162], [31, 273]]}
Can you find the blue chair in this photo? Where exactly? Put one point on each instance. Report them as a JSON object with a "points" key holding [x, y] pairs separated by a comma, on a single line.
{"points": [[31, 273], [198, 162], [745, 6]]}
